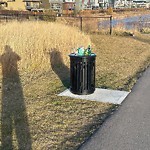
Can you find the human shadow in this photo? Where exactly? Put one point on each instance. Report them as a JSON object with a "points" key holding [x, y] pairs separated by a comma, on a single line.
{"points": [[14, 116], [59, 67]]}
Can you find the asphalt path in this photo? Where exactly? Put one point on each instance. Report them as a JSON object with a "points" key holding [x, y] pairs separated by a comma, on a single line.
{"points": [[129, 127]]}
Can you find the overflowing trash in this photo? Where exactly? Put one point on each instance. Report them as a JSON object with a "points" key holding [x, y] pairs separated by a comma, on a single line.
{"points": [[81, 51]]}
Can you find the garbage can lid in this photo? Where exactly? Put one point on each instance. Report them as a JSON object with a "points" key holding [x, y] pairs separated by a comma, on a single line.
{"points": [[76, 55]]}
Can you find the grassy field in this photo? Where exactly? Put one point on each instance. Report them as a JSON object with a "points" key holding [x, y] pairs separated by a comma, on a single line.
{"points": [[120, 59], [32, 115]]}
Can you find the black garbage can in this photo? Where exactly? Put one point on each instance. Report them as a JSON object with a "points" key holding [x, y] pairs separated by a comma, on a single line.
{"points": [[82, 74]]}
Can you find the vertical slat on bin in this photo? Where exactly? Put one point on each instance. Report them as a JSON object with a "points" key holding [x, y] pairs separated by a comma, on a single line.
{"points": [[71, 74], [89, 75], [81, 76], [93, 74], [77, 76], [85, 76]]}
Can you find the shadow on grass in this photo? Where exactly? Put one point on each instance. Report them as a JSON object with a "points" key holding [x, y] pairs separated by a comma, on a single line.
{"points": [[84, 133], [14, 117], [59, 67], [142, 40]]}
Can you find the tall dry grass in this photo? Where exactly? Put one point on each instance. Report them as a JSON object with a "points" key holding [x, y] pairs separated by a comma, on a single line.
{"points": [[34, 41]]}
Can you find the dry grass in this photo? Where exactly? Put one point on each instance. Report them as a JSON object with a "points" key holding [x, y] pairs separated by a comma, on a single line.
{"points": [[43, 120], [33, 42], [146, 30], [89, 24], [120, 58], [55, 123], [120, 29], [59, 122], [32, 113]]}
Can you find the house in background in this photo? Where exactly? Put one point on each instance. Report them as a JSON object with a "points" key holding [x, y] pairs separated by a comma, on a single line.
{"points": [[61, 5], [14, 5], [87, 4], [141, 3], [21, 4], [32, 4], [123, 3], [68, 4], [104, 4], [56, 5], [45, 4]]}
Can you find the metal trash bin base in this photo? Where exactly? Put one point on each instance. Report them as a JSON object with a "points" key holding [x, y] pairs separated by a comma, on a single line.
{"points": [[82, 74]]}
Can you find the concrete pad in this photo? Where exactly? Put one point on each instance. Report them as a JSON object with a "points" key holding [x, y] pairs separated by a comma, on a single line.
{"points": [[100, 95]]}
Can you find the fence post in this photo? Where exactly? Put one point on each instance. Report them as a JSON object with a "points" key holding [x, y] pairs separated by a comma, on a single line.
{"points": [[81, 23], [6, 18], [110, 25], [17, 15]]}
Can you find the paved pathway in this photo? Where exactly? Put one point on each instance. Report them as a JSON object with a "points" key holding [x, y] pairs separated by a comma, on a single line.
{"points": [[129, 127]]}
